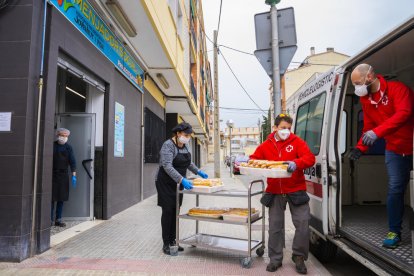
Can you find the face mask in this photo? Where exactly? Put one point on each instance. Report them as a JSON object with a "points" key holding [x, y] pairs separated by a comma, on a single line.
{"points": [[361, 90], [183, 139], [283, 133], [62, 140]]}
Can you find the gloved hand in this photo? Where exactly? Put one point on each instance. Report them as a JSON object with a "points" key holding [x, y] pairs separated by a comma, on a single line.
{"points": [[74, 181], [291, 167], [354, 154], [369, 138], [202, 174], [187, 184]]}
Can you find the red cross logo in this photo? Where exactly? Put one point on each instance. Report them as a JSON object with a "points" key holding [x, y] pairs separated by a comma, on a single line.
{"points": [[289, 148], [385, 100]]}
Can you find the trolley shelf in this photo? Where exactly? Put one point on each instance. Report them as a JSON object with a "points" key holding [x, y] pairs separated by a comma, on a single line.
{"points": [[217, 220], [226, 193], [221, 243]]}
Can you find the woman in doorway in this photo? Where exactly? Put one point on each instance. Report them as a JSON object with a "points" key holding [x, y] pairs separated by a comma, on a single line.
{"points": [[175, 159], [63, 157], [282, 145]]}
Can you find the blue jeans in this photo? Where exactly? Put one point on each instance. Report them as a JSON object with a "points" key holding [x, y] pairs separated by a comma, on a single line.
{"points": [[398, 168], [59, 209]]}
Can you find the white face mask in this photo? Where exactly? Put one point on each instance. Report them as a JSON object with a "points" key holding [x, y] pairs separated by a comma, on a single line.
{"points": [[361, 90], [62, 140], [183, 139], [283, 133]]}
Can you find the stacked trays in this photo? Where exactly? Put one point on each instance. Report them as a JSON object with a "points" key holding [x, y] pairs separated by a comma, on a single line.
{"points": [[270, 173]]}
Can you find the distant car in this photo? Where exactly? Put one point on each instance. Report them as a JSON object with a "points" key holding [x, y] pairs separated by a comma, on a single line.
{"points": [[237, 161]]}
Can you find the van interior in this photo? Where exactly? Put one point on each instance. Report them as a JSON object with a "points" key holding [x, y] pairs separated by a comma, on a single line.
{"points": [[364, 182]]}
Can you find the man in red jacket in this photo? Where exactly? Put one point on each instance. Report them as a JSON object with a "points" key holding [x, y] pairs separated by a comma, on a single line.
{"points": [[388, 113], [282, 145]]}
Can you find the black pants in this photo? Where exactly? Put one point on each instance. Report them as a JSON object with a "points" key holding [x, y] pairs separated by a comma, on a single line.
{"points": [[168, 225]]}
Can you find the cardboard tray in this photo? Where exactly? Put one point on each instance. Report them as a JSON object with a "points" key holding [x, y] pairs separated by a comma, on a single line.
{"points": [[237, 218], [270, 173], [205, 189]]}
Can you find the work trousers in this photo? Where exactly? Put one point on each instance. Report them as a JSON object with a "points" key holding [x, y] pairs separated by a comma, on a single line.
{"points": [[168, 223], [59, 210], [398, 169], [300, 218]]}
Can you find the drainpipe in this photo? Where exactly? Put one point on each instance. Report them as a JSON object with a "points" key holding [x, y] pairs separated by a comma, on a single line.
{"points": [[142, 147], [39, 113]]}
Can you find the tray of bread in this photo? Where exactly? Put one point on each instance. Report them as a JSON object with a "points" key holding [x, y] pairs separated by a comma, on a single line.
{"points": [[240, 214], [207, 185], [207, 212], [265, 168]]}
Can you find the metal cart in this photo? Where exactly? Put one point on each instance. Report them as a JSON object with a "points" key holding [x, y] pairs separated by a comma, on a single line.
{"points": [[228, 244]]}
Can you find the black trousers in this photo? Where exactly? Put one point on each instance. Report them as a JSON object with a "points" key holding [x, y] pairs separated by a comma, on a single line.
{"points": [[168, 225]]}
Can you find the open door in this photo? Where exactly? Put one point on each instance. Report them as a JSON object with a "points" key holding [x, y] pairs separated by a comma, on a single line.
{"points": [[311, 125], [82, 139]]}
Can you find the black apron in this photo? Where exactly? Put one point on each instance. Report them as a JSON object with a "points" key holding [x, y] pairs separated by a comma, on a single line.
{"points": [[166, 186], [60, 180]]}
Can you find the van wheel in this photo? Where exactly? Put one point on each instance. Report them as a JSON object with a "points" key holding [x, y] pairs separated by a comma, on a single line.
{"points": [[324, 251]]}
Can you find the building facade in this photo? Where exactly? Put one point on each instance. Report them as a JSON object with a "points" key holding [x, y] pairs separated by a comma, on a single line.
{"points": [[118, 74]]}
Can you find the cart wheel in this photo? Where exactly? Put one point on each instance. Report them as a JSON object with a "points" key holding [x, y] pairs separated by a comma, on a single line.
{"points": [[246, 262], [260, 251]]}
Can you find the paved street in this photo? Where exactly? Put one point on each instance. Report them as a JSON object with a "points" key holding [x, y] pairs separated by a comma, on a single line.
{"points": [[130, 244]]}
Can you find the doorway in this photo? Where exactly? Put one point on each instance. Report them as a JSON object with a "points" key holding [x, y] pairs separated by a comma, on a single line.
{"points": [[80, 108]]}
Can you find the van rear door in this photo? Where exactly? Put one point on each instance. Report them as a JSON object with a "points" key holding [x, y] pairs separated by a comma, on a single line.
{"points": [[311, 125]]}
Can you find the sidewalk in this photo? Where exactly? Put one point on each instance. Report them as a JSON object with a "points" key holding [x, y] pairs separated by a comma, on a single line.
{"points": [[130, 244]]}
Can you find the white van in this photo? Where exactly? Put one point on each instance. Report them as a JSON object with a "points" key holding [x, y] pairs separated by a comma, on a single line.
{"points": [[348, 199]]}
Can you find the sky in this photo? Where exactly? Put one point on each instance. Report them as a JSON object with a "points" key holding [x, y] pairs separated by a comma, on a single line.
{"points": [[348, 26]]}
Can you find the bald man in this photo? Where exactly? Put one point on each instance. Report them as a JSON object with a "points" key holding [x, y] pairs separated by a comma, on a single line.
{"points": [[63, 157], [388, 113]]}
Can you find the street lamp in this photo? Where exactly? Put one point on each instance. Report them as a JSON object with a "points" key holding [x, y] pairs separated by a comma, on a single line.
{"points": [[230, 125]]}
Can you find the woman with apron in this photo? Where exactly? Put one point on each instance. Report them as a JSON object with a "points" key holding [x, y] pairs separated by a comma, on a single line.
{"points": [[175, 159], [63, 157]]}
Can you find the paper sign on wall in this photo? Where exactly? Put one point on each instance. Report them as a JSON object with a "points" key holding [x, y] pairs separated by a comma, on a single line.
{"points": [[5, 121]]}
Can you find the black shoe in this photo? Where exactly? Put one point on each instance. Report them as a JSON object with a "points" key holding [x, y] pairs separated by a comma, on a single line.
{"points": [[180, 249], [273, 267], [60, 224], [300, 264], [166, 249]]}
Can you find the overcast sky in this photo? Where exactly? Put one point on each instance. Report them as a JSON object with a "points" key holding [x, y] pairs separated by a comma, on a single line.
{"points": [[348, 26]]}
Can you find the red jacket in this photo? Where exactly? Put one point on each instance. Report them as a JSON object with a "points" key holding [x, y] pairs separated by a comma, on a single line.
{"points": [[293, 149], [392, 118]]}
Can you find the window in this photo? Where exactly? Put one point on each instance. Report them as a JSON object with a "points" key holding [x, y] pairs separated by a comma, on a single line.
{"points": [[154, 128], [309, 122]]}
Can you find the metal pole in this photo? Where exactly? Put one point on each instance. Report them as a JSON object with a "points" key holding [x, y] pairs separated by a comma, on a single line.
{"points": [[231, 162], [275, 54], [33, 240], [216, 113]]}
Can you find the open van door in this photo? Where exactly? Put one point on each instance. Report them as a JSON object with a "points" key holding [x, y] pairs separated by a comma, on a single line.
{"points": [[312, 121]]}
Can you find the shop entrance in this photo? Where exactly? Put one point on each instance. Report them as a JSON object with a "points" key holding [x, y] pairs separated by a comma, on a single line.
{"points": [[80, 108]]}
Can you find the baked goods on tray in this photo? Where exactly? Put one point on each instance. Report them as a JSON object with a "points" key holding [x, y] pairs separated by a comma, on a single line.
{"points": [[265, 164], [207, 182], [240, 211], [207, 212]]}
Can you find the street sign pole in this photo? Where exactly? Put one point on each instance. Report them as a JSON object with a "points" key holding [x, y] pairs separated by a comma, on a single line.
{"points": [[275, 59]]}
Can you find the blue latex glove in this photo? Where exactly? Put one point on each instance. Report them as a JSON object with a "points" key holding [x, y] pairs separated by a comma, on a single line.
{"points": [[187, 184], [202, 174], [354, 154], [369, 138], [291, 167], [74, 181]]}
